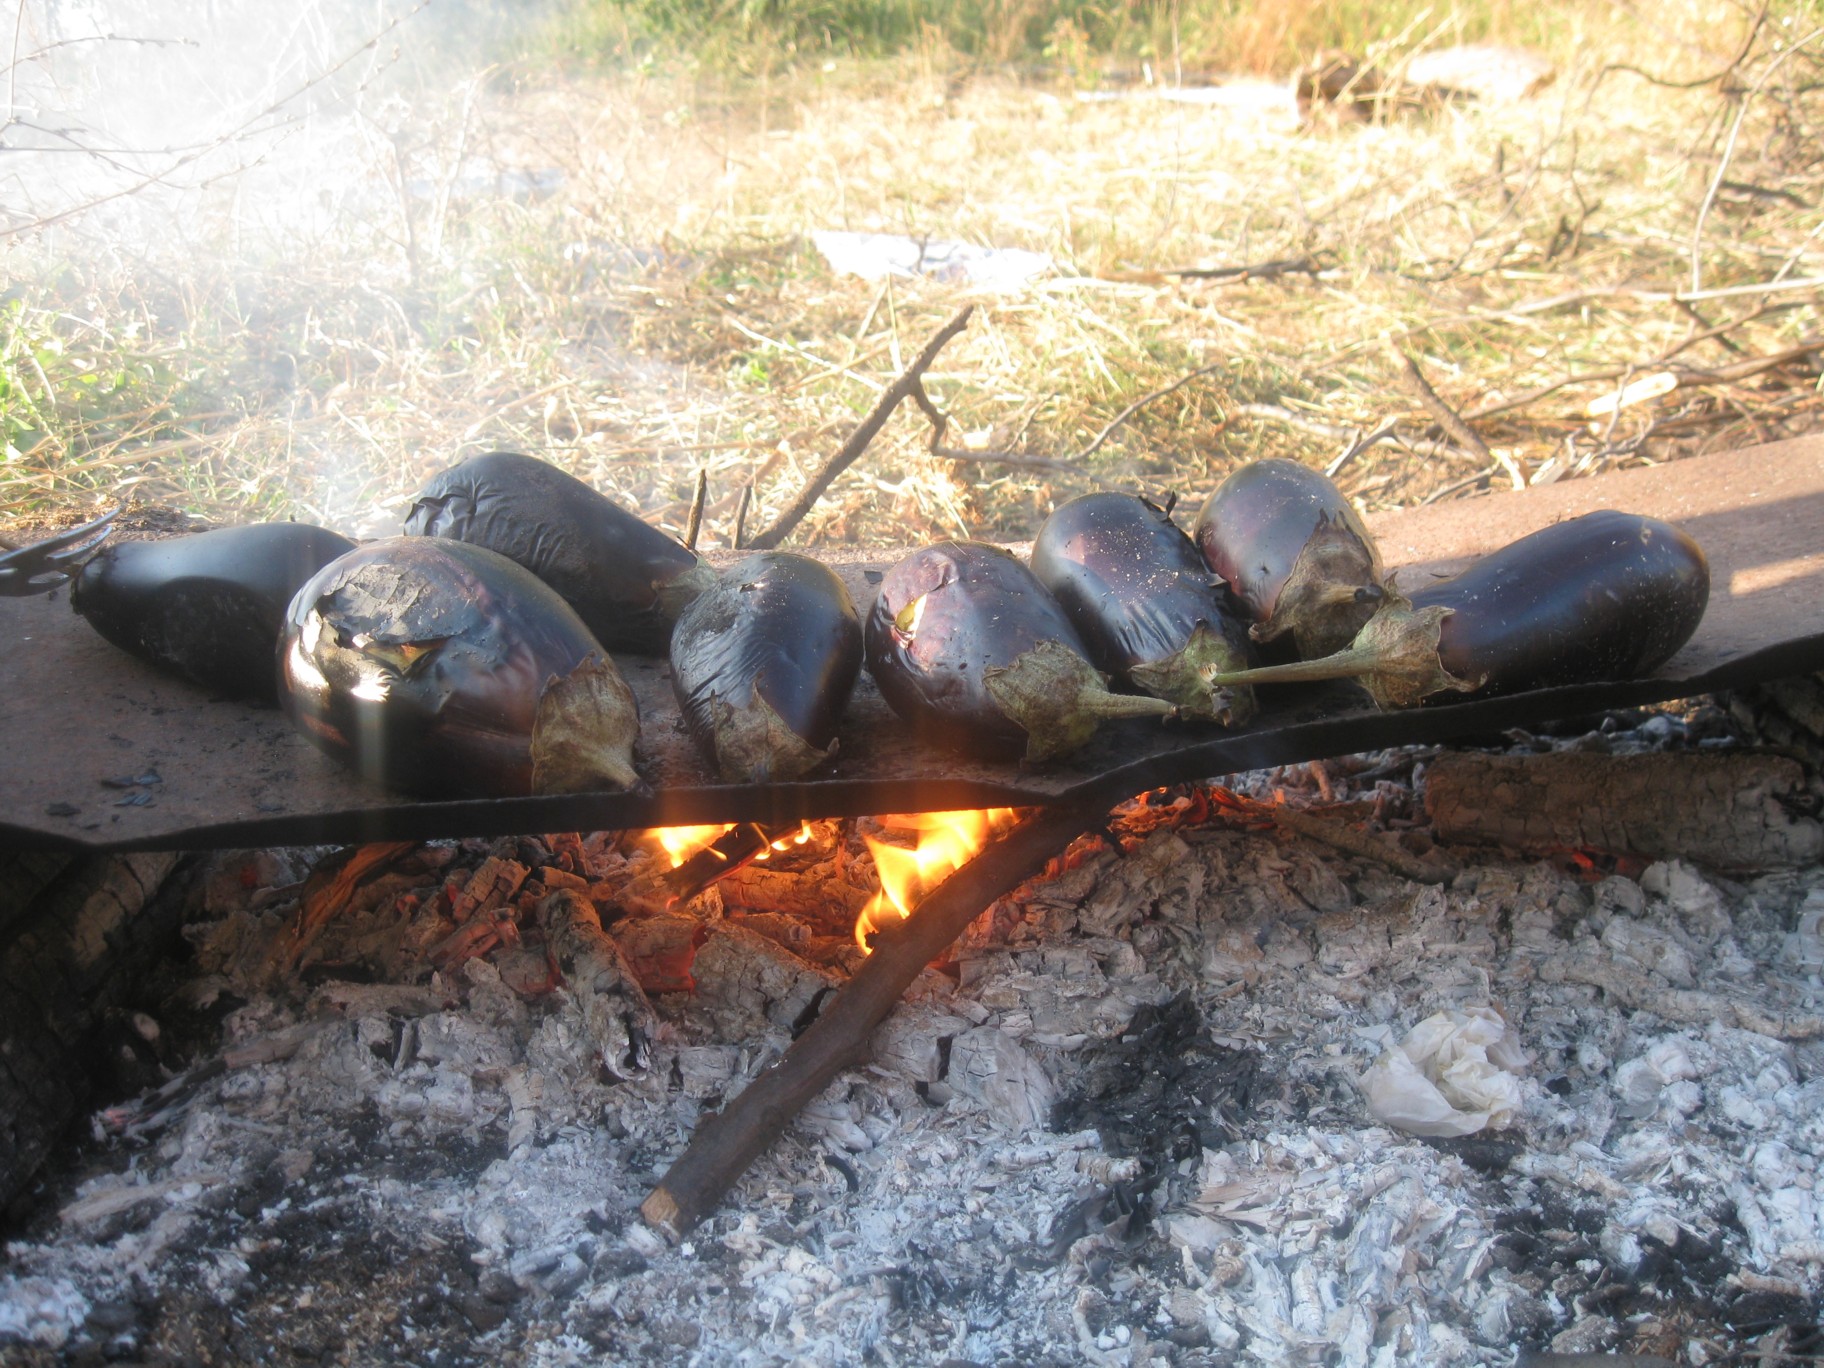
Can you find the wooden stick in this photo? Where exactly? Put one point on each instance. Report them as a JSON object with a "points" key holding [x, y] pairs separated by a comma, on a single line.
{"points": [[910, 381], [747, 500], [697, 500], [726, 1143], [1448, 418]]}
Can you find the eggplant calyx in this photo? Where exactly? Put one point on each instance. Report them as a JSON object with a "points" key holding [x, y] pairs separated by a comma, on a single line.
{"points": [[1408, 668], [680, 591], [1331, 592], [1395, 656], [1059, 699], [755, 746], [1184, 679], [583, 735]]}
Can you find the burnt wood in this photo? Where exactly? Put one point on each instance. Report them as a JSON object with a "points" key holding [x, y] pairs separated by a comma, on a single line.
{"points": [[83, 722]]}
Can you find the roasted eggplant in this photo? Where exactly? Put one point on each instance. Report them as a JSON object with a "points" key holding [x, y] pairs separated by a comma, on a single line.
{"points": [[442, 669], [763, 663], [209, 606], [627, 580], [1295, 554], [1150, 611], [968, 647], [1606, 596]]}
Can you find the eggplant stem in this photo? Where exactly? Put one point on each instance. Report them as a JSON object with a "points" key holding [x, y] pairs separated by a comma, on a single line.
{"points": [[1349, 663], [1103, 703], [1395, 655]]}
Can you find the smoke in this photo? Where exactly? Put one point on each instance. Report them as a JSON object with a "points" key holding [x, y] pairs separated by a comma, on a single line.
{"points": [[136, 119]]}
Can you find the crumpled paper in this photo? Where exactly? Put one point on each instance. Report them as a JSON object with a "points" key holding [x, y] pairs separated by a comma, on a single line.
{"points": [[1455, 1073]]}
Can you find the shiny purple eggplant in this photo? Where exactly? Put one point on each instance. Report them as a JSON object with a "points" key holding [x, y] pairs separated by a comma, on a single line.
{"points": [[1295, 554], [1150, 611], [208, 607], [627, 580], [1607, 596], [442, 669], [969, 648], [763, 663]]}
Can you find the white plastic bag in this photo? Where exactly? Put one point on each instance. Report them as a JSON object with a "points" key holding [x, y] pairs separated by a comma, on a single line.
{"points": [[1455, 1073]]}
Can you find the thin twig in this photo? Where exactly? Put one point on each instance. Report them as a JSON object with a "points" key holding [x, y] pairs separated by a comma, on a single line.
{"points": [[695, 523], [1722, 165], [909, 384], [1449, 489], [1448, 418], [1141, 403], [747, 499]]}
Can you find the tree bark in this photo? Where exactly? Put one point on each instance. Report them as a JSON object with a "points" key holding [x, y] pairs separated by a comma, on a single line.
{"points": [[1725, 810], [75, 935]]}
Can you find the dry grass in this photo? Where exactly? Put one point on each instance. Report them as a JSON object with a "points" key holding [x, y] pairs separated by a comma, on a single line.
{"points": [[664, 310]]}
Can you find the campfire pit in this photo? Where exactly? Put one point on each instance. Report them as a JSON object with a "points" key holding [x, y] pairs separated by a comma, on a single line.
{"points": [[1758, 515]]}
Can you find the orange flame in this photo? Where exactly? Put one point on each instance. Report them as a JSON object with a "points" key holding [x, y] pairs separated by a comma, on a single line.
{"points": [[802, 836], [681, 842], [946, 842]]}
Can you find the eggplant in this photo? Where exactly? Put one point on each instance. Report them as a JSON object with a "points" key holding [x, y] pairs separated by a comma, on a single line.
{"points": [[1605, 596], [968, 647], [1138, 592], [208, 607], [627, 580], [1295, 554], [442, 669], [763, 663]]}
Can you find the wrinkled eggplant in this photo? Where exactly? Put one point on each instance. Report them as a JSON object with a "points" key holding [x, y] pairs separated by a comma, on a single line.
{"points": [[968, 647], [208, 607], [1148, 608], [627, 580], [763, 663], [1606, 596], [445, 670], [1295, 554]]}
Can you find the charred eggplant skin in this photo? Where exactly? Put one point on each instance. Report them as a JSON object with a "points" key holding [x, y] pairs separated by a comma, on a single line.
{"points": [[1609, 595], [626, 579], [1294, 553], [427, 665], [775, 640], [208, 607], [1137, 590]]}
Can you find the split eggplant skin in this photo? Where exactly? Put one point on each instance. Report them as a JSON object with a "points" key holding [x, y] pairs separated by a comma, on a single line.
{"points": [[440, 669], [208, 607], [763, 663], [1148, 608], [1609, 595], [942, 619], [1295, 554], [971, 650], [627, 580]]}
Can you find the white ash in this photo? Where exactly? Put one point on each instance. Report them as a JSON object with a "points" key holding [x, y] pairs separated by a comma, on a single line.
{"points": [[1670, 1128]]}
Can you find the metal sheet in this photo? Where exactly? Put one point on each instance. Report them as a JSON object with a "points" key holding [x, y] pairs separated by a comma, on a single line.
{"points": [[77, 716]]}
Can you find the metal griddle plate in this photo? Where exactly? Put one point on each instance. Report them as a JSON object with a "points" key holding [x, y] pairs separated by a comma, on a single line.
{"points": [[76, 713]]}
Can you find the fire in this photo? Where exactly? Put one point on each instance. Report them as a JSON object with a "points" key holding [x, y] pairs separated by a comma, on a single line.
{"points": [[681, 842], [801, 837], [946, 842]]}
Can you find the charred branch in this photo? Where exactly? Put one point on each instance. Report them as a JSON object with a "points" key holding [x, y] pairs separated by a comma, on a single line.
{"points": [[725, 1144]]}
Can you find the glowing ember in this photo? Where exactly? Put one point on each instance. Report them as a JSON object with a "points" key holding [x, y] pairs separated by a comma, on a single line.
{"points": [[681, 842], [946, 842]]}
